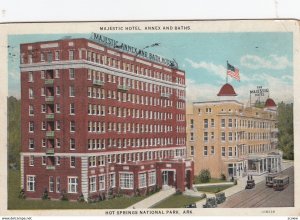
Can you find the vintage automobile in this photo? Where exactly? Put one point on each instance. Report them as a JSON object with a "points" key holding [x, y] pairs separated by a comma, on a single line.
{"points": [[250, 183], [192, 205]]}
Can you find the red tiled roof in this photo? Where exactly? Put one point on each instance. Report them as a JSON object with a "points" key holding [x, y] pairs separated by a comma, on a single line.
{"points": [[227, 90], [270, 103]]}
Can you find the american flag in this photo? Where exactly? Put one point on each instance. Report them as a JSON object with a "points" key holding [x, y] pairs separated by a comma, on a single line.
{"points": [[233, 71]]}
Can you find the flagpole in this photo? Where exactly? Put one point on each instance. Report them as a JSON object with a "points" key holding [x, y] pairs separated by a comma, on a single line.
{"points": [[226, 72]]}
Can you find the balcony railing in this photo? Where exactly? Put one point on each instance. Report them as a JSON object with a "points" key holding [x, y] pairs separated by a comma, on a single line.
{"points": [[50, 116], [274, 130], [50, 167], [50, 151], [123, 87], [98, 82], [50, 134], [165, 95], [49, 98], [49, 81], [274, 140]]}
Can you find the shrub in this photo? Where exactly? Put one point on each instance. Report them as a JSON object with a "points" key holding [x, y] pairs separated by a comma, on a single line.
{"points": [[64, 196], [45, 195], [80, 198], [204, 176], [178, 192], [22, 194], [223, 177]]}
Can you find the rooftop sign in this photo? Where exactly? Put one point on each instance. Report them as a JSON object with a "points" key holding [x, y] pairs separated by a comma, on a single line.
{"points": [[132, 50]]}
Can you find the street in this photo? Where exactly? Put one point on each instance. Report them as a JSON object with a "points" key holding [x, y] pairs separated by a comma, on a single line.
{"points": [[263, 196]]}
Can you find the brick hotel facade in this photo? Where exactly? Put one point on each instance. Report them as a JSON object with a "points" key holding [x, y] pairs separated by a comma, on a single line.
{"points": [[98, 120], [229, 138]]}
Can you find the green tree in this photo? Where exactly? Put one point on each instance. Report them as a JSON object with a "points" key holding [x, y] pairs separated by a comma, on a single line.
{"points": [[14, 130], [286, 130]]}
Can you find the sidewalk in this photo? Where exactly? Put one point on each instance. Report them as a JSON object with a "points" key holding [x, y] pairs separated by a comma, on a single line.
{"points": [[153, 199], [241, 183]]}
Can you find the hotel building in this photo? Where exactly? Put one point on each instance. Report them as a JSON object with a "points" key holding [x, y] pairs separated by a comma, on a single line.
{"points": [[97, 119], [227, 137]]}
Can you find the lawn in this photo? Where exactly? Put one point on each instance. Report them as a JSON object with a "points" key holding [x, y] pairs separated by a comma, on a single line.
{"points": [[176, 201], [212, 180], [15, 203], [213, 189]]}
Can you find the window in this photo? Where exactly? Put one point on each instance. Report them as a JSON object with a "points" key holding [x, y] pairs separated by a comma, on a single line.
{"points": [[212, 135], [57, 125], [31, 143], [205, 136], [57, 142], [56, 55], [223, 123], [72, 144], [230, 136], [151, 178], [57, 90], [72, 184], [42, 91], [57, 108], [42, 57], [43, 125], [112, 180], [126, 180], [212, 150], [205, 151], [142, 180], [56, 74], [230, 122], [192, 136], [102, 182], [43, 108], [31, 126], [58, 184], [42, 74], [31, 160], [72, 161], [71, 91], [71, 55], [44, 160], [212, 122], [223, 151], [51, 184], [43, 142], [30, 77], [101, 160], [205, 123], [92, 184], [192, 123], [71, 73], [92, 161], [58, 161], [192, 151], [30, 183], [230, 151], [223, 138], [72, 108], [31, 95], [72, 126]]}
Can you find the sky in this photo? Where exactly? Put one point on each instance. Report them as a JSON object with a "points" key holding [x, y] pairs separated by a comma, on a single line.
{"points": [[263, 58]]}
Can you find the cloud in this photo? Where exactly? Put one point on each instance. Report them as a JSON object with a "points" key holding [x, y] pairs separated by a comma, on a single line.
{"points": [[200, 92], [274, 62], [218, 70]]}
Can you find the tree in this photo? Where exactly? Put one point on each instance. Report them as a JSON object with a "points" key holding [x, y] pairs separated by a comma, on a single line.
{"points": [[204, 176], [14, 130], [286, 130]]}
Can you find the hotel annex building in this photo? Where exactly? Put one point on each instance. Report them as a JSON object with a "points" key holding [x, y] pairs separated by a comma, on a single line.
{"points": [[99, 120], [227, 137]]}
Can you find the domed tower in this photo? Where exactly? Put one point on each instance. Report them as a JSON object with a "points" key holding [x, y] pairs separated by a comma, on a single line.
{"points": [[270, 104], [227, 92]]}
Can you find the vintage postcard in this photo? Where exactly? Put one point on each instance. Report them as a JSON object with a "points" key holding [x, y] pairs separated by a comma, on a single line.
{"points": [[150, 118]]}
